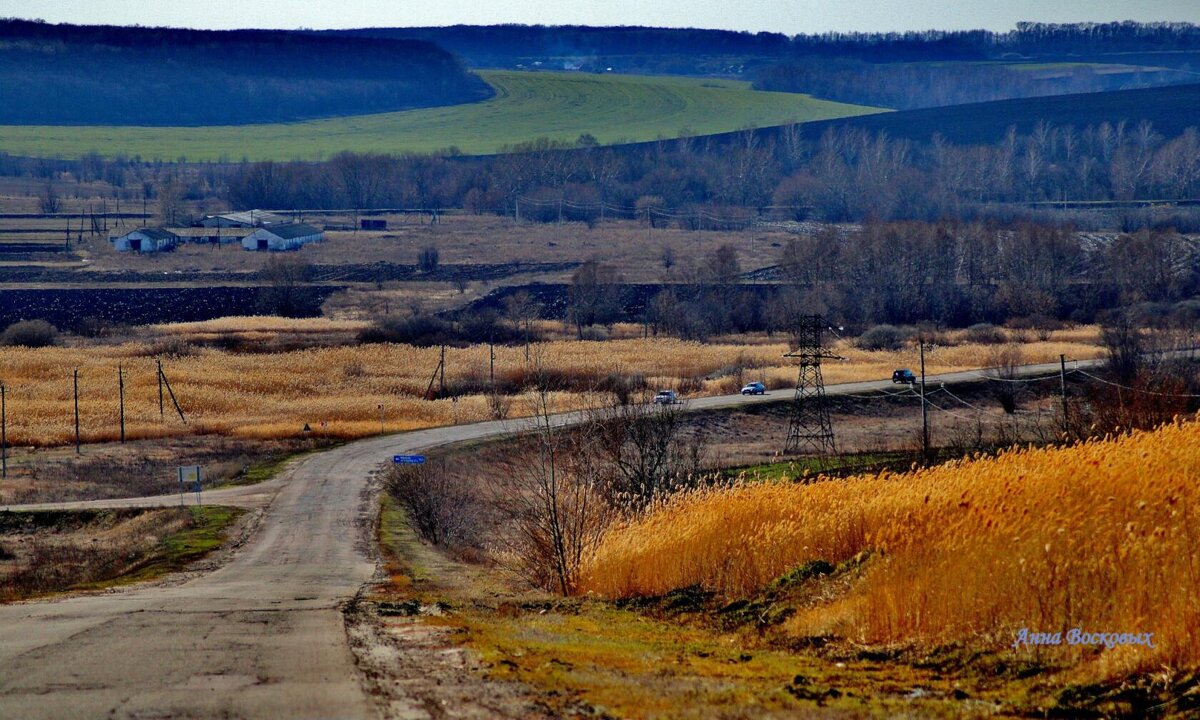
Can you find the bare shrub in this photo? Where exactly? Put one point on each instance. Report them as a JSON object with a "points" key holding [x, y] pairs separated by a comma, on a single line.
{"points": [[30, 333], [499, 406], [984, 334], [882, 337], [428, 259], [1004, 361], [438, 508]]}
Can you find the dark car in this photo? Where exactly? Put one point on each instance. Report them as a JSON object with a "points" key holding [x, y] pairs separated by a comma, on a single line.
{"points": [[904, 375]]}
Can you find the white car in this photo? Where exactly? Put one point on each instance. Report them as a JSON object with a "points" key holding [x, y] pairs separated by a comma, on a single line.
{"points": [[755, 388], [666, 397]]}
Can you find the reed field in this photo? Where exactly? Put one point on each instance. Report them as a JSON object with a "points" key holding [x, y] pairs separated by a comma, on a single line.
{"points": [[1100, 536], [337, 391]]}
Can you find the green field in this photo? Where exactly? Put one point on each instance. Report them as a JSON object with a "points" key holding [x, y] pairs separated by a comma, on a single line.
{"points": [[527, 106]]}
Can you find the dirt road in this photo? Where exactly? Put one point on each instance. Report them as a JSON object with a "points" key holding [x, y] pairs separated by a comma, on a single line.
{"points": [[262, 636]]}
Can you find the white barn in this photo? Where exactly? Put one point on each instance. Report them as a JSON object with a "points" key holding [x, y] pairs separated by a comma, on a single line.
{"points": [[282, 237], [145, 240]]}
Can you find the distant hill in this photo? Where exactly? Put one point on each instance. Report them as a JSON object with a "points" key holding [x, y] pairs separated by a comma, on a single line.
{"points": [[701, 51], [630, 49], [1171, 109], [102, 75]]}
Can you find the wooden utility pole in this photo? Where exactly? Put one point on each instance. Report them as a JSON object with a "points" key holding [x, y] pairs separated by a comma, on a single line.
{"points": [[1062, 386], [161, 414], [3, 433], [924, 408], [77, 411], [442, 372], [121, 396], [492, 363]]}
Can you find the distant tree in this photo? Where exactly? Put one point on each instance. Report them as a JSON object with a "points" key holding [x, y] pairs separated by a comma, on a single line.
{"points": [[285, 276], [427, 261], [48, 202]]}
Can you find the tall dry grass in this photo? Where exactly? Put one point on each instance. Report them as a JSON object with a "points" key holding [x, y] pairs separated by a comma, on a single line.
{"points": [[337, 390], [1101, 536]]}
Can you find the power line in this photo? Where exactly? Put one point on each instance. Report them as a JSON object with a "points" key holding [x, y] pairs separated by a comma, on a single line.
{"points": [[1133, 389]]}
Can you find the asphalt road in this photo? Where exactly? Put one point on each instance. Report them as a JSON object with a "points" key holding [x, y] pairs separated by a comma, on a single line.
{"points": [[263, 635]]}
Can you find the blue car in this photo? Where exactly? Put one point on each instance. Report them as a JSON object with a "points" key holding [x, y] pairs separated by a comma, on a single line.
{"points": [[904, 375], [755, 388]]}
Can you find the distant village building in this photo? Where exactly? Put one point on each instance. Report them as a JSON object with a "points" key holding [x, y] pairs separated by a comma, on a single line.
{"points": [[145, 240], [282, 237], [245, 219]]}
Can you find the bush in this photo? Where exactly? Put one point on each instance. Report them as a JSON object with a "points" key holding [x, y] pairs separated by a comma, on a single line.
{"points": [[427, 261], [985, 334], [882, 337], [30, 333]]}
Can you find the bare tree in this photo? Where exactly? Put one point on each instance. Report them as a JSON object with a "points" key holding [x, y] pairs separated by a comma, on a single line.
{"points": [[642, 444], [555, 510], [49, 201], [285, 275]]}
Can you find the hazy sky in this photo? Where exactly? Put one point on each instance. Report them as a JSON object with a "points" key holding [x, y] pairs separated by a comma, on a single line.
{"points": [[787, 16]]}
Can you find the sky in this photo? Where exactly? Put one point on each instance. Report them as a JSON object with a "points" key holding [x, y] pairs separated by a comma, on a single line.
{"points": [[786, 16]]}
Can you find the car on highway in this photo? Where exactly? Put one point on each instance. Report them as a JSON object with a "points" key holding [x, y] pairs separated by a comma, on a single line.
{"points": [[754, 388], [904, 375], [666, 397]]}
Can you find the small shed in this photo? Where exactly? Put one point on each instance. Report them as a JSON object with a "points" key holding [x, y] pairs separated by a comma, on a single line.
{"points": [[282, 237], [145, 240], [372, 224]]}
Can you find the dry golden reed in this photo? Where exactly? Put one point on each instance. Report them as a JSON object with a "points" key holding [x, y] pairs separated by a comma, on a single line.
{"points": [[337, 390], [1101, 536]]}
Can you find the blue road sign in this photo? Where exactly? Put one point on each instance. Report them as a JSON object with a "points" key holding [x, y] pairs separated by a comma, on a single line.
{"points": [[408, 459]]}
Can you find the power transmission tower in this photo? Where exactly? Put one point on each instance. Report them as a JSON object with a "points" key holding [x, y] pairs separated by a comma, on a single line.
{"points": [[809, 429]]}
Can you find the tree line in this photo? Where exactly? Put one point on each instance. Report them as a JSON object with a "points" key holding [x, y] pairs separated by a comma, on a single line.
{"points": [[846, 174], [71, 74]]}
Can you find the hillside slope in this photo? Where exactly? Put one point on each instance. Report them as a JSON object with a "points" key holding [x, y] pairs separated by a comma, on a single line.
{"points": [[1171, 110], [526, 106], [78, 75]]}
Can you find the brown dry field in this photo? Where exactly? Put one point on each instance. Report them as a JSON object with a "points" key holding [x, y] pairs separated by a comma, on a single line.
{"points": [[635, 250]]}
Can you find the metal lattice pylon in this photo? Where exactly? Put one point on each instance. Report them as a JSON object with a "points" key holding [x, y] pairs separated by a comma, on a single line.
{"points": [[809, 428]]}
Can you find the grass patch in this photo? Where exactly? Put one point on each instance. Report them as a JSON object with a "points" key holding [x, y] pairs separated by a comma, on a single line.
{"points": [[51, 552], [207, 532], [527, 105]]}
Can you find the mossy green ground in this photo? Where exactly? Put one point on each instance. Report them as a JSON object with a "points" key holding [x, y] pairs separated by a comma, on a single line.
{"points": [[527, 106], [585, 656], [207, 532]]}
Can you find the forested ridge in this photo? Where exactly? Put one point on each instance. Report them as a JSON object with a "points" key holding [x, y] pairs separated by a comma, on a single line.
{"points": [[71, 75]]}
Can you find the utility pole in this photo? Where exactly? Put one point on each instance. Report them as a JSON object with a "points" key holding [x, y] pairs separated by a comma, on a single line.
{"points": [[492, 363], [121, 395], [924, 408], [809, 427], [161, 414], [380, 418], [76, 411], [442, 372], [1062, 386], [3, 433]]}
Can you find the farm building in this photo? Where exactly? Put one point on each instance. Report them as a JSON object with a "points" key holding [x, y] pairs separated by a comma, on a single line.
{"points": [[145, 240], [282, 237], [245, 219]]}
